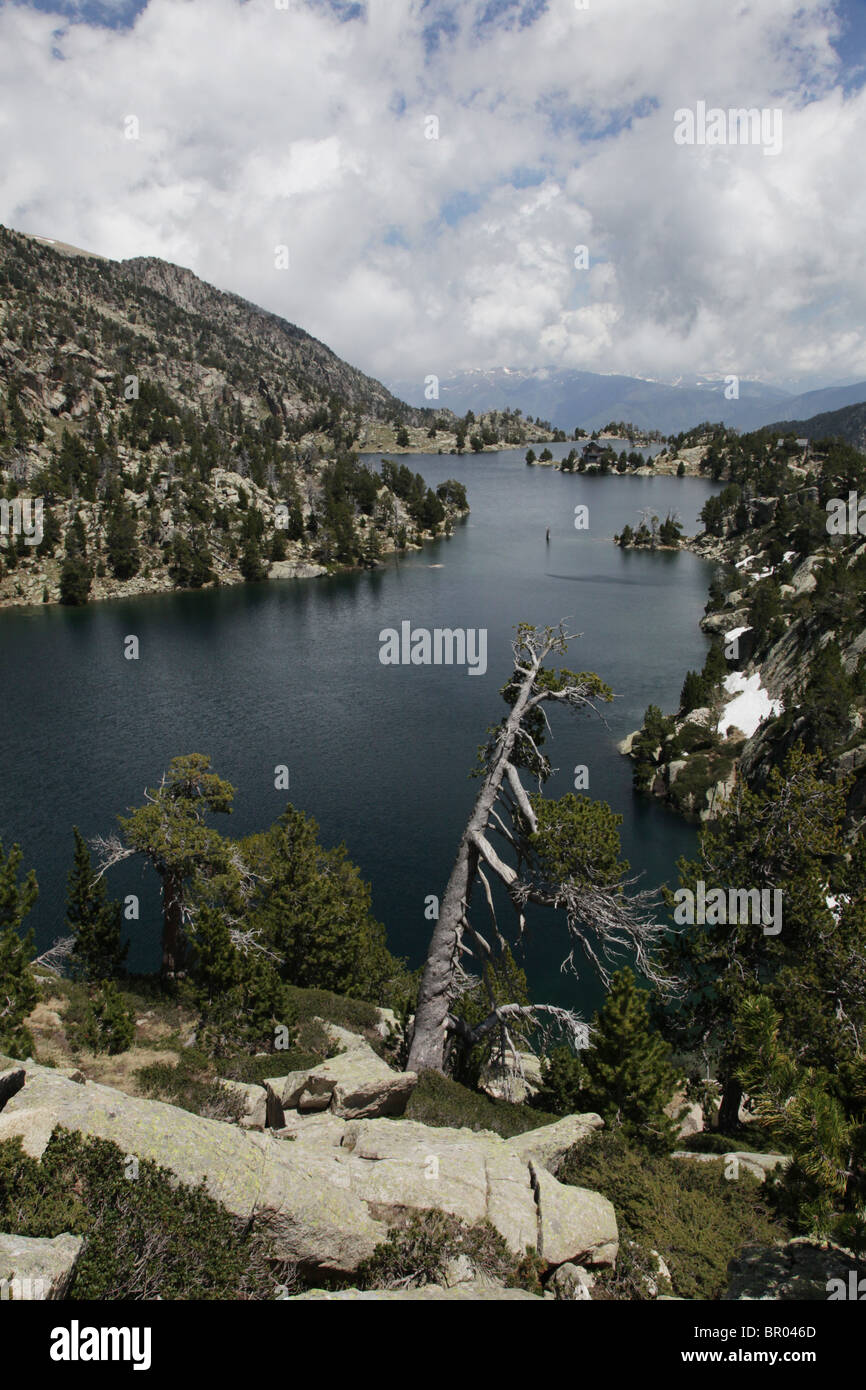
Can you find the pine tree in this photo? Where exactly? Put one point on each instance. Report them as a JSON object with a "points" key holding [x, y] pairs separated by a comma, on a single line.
{"points": [[18, 990], [241, 998], [251, 565], [122, 543], [693, 692], [109, 1023], [629, 1078], [562, 1083], [93, 920], [76, 578]]}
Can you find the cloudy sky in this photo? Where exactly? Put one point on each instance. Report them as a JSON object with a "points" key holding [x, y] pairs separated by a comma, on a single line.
{"points": [[307, 124]]}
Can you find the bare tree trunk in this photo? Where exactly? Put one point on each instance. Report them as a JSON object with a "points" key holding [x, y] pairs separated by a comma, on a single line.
{"points": [[729, 1109], [435, 994], [599, 917], [172, 926]]}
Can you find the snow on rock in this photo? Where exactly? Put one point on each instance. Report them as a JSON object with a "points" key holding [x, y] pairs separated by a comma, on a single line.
{"points": [[736, 633], [748, 560], [750, 707]]}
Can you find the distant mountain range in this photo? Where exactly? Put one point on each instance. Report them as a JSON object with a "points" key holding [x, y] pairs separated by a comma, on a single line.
{"points": [[591, 399]]}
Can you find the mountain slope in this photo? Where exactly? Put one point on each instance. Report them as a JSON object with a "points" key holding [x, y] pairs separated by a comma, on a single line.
{"points": [[848, 424], [177, 436]]}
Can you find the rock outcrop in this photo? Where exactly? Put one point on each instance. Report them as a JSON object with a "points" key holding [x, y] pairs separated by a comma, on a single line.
{"points": [[35, 1269], [326, 1187], [10, 1084], [312, 1221], [429, 1293], [355, 1084], [759, 1165], [549, 1144]]}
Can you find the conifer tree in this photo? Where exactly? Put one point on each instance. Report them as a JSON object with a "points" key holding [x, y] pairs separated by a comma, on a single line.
{"points": [[562, 1082], [629, 1078], [18, 991], [171, 831], [93, 920]]}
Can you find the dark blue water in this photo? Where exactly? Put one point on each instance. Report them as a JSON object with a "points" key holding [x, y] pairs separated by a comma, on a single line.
{"points": [[289, 673]]}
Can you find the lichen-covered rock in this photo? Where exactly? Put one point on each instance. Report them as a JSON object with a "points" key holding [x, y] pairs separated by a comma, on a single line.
{"points": [[253, 1100], [341, 1038], [354, 1084], [33, 1269], [399, 1166], [549, 1144], [326, 1188], [575, 1226], [252, 1175]]}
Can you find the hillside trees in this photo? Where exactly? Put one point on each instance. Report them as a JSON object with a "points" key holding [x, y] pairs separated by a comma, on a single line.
{"points": [[18, 989], [566, 855], [93, 921], [122, 542], [171, 830], [816, 1114], [311, 908], [786, 837]]}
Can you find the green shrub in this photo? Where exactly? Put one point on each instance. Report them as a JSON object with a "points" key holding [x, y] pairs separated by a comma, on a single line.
{"points": [[147, 1236], [419, 1250], [689, 1212], [692, 737], [563, 1079], [354, 1014], [443, 1103], [107, 1023], [190, 1083]]}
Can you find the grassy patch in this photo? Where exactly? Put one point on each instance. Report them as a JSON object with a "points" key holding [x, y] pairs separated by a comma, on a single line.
{"points": [[192, 1082], [711, 1142], [353, 1014], [439, 1101]]}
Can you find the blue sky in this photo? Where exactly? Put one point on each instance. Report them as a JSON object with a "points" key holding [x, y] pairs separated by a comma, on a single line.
{"points": [[310, 127]]}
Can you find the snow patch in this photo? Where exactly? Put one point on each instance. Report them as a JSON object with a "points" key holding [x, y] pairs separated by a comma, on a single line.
{"points": [[750, 707]]}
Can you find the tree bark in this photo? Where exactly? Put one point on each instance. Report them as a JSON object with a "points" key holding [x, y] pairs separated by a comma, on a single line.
{"points": [[172, 926], [729, 1109], [434, 997]]}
